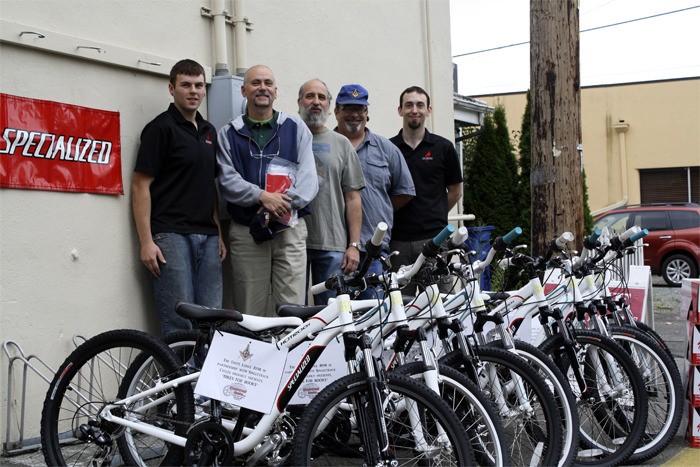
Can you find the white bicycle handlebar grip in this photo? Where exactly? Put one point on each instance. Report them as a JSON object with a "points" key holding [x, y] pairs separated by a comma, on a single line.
{"points": [[629, 232], [459, 237], [318, 288], [563, 239], [379, 233]]}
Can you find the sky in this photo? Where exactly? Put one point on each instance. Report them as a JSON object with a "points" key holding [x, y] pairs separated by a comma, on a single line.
{"points": [[662, 47]]}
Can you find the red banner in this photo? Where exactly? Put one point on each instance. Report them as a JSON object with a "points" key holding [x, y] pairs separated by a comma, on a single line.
{"points": [[47, 145]]}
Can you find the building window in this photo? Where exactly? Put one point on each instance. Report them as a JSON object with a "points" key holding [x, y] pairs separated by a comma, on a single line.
{"points": [[673, 185]]}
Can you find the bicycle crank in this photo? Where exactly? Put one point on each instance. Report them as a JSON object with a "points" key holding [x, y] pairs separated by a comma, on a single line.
{"points": [[208, 443]]}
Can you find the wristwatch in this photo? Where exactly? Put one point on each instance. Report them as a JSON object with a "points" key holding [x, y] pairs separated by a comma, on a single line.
{"points": [[356, 245]]}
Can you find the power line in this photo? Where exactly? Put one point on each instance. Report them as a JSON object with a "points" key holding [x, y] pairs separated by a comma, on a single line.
{"points": [[583, 30]]}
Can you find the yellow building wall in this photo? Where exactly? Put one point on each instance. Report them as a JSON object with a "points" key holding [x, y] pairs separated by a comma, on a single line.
{"points": [[662, 121]]}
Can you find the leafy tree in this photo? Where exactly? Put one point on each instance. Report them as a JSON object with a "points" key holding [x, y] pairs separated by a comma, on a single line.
{"points": [[587, 217], [507, 153], [486, 194], [524, 202]]}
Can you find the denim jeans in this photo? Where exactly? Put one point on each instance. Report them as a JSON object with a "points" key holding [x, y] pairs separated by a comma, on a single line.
{"points": [[191, 273], [374, 268], [322, 264]]}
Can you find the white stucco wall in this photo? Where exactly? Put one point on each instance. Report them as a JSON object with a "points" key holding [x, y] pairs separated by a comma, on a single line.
{"points": [[46, 297]]}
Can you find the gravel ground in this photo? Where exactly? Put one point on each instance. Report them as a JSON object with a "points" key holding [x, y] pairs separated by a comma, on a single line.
{"points": [[667, 322]]}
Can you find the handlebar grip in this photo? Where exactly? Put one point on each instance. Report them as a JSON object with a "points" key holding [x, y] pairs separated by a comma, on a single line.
{"points": [[512, 235], [459, 237], [629, 232], [318, 288], [444, 234], [592, 238], [379, 233], [563, 239], [638, 235], [431, 247]]}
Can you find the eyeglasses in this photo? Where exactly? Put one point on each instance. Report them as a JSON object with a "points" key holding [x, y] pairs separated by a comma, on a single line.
{"points": [[260, 154], [352, 108]]}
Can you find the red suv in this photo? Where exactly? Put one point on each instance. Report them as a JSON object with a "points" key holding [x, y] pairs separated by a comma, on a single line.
{"points": [[673, 249]]}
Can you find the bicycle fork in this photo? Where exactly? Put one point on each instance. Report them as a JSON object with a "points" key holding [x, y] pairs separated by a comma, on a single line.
{"points": [[369, 411]]}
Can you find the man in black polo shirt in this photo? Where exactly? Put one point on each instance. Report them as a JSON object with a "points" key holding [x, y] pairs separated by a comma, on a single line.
{"points": [[437, 175], [174, 201]]}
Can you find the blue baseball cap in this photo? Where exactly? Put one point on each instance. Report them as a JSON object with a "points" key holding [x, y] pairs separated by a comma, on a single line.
{"points": [[352, 94]]}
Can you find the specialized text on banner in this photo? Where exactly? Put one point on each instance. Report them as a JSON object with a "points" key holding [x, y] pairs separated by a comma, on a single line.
{"points": [[46, 145]]}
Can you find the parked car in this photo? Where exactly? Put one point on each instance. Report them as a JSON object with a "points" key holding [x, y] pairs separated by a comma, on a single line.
{"points": [[672, 248]]}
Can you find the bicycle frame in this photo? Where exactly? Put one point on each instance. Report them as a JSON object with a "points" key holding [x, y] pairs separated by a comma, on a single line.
{"points": [[339, 309]]}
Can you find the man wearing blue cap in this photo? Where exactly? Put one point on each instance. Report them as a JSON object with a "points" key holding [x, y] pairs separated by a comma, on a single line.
{"points": [[388, 182]]}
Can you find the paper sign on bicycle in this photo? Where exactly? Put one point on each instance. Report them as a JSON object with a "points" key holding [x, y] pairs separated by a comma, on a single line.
{"points": [[242, 372], [329, 367]]}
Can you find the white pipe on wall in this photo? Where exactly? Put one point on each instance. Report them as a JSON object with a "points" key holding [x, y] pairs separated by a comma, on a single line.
{"points": [[428, 47], [240, 25], [218, 12]]}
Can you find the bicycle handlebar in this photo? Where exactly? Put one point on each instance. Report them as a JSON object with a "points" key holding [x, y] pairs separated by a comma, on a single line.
{"points": [[512, 235], [379, 233], [500, 244], [563, 239], [628, 233], [638, 235], [459, 237], [373, 247], [592, 239]]}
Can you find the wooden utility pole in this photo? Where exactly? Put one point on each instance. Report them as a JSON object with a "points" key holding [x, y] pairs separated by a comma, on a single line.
{"points": [[556, 178]]}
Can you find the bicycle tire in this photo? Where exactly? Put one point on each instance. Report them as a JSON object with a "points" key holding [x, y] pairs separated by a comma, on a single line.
{"points": [[533, 430], [648, 330], [611, 427], [72, 430], [324, 421], [478, 416], [664, 389], [563, 396]]}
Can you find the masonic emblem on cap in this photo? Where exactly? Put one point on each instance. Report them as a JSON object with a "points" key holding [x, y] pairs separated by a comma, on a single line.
{"points": [[355, 93]]}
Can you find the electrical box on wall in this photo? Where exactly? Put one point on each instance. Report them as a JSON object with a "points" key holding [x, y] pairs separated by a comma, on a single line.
{"points": [[224, 103], [224, 100]]}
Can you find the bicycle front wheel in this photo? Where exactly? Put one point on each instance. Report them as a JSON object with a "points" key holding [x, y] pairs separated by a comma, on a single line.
{"points": [[339, 427], [523, 400], [74, 430], [479, 418], [664, 389], [612, 402]]}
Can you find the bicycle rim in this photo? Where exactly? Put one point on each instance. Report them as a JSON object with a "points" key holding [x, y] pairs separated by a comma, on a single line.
{"points": [[480, 421], [664, 390], [421, 428], [613, 409], [73, 430]]}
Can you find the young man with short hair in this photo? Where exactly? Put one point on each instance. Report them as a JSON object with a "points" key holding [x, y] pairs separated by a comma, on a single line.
{"points": [[174, 201], [436, 172]]}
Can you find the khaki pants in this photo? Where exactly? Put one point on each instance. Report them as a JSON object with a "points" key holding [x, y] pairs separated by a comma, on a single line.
{"points": [[266, 274]]}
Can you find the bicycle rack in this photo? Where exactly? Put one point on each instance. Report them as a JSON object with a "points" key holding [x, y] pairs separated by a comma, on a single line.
{"points": [[15, 353]]}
